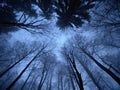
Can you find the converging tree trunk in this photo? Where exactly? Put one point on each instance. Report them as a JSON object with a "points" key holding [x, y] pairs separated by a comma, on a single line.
{"points": [[117, 79], [90, 75], [17, 78], [76, 73]]}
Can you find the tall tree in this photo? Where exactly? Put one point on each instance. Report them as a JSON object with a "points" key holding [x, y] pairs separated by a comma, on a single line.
{"points": [[72, 62], [86, 51]]}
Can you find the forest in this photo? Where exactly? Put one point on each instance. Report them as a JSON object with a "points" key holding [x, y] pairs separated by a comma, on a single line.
{"points": [[59, 44]]}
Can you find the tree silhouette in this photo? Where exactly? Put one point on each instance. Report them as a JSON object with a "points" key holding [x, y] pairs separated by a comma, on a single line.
{"points": [[73, 12], [89, 59], [7, 14], [22, 6], [45, 6]]}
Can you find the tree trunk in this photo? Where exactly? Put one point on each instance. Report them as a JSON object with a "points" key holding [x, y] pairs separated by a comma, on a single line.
{"points": [[75, 71], [90, 75], [13, 83], [117, 79], [4, 72]]}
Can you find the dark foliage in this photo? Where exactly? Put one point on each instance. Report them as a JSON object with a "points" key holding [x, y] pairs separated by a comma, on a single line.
{"points": [[45, 6], [73, 12], [22, 5], [6, 15], [69, 12], [87, 59]]}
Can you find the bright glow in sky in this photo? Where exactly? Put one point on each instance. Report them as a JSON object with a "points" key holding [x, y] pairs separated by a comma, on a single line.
{"points": [[56, 38], [60, 40]]}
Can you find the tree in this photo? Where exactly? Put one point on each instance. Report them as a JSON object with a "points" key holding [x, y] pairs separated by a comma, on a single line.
{"points": [[7, 14], [107, 20], [20, 58], [45, 6], [71, 60], [89, 73], [17, 15], [48, 65], [73, 12], [70, 13], [88, 60]]}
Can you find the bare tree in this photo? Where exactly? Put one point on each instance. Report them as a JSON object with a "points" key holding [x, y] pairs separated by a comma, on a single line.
{"points": [[31, 61], [72, 62]]}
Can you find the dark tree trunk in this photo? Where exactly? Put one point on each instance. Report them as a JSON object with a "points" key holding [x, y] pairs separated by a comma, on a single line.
{"points": [[17, 78], [75, 71], [4, 72], [117, 79], [43, 78], [90, 75]]}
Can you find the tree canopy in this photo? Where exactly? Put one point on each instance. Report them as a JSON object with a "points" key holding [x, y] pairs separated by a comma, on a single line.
{"points": [[68, 12], [59, 44]]}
